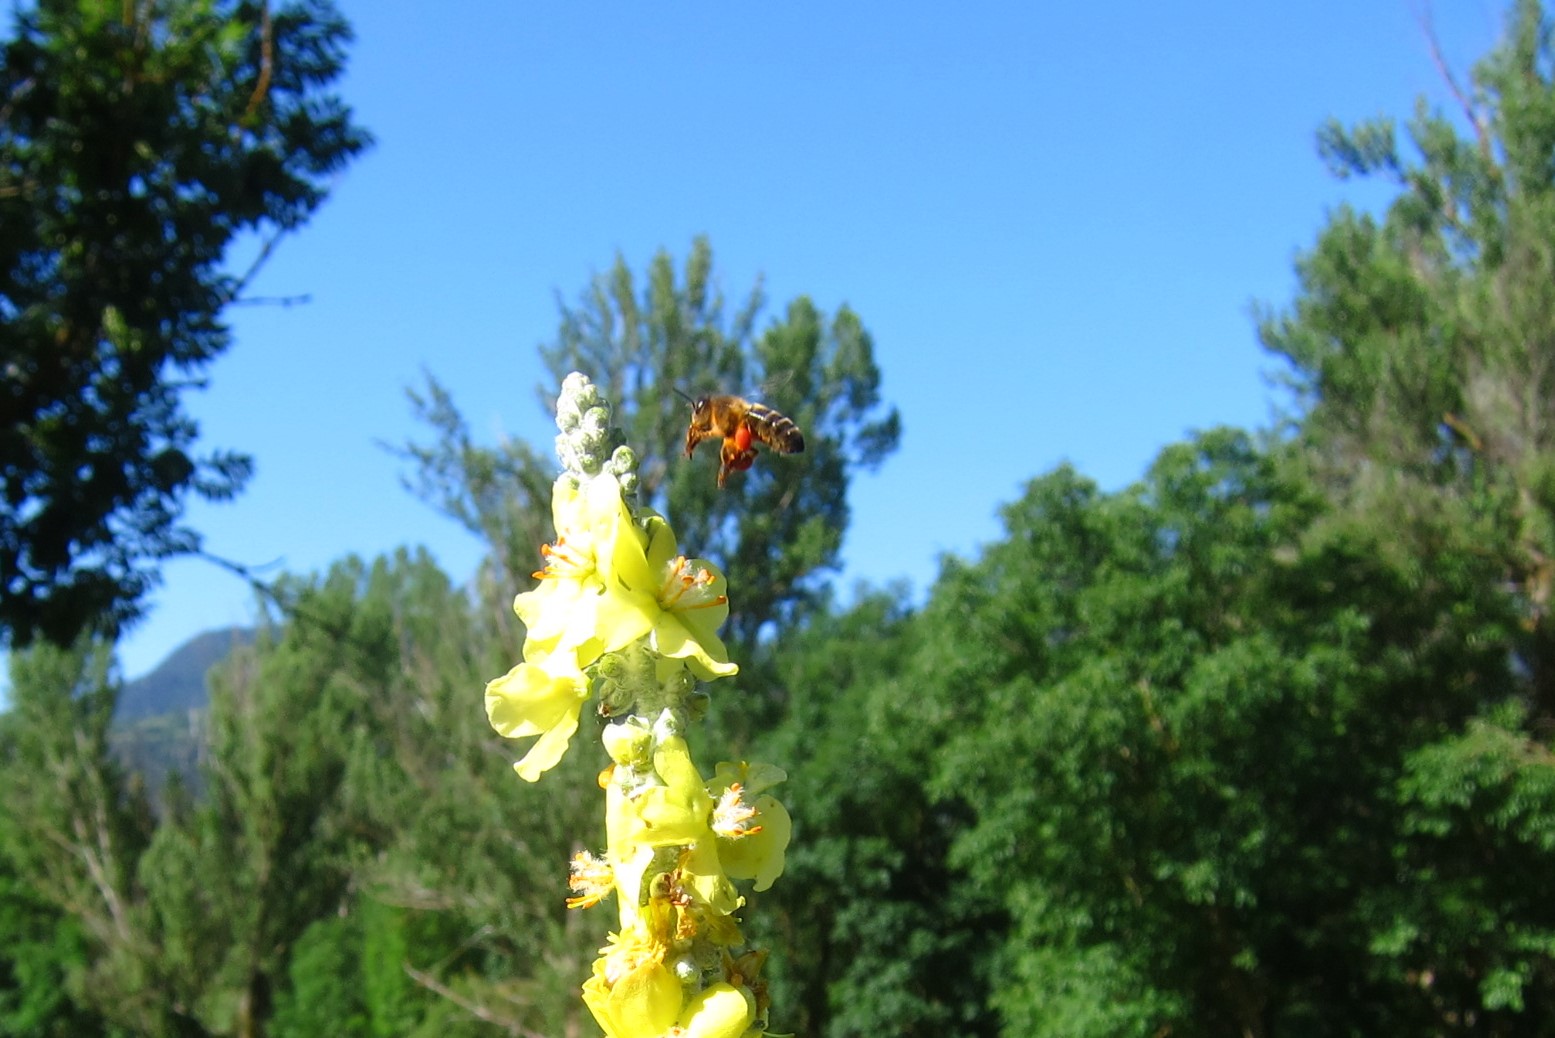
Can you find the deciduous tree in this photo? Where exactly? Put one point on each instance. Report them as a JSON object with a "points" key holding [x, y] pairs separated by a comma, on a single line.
{"points": [[138, 141]]}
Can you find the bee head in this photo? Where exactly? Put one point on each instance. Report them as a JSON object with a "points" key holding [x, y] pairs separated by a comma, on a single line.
{"points": [[698, 406]]}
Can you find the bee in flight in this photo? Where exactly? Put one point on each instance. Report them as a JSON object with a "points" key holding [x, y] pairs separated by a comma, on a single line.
{"points": [[740, 424]]}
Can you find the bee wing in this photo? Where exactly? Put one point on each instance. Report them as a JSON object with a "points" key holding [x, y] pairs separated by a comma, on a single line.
{"points": [[772, 386]]}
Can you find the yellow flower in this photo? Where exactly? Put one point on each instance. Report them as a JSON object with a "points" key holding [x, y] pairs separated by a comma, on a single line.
{"points": [[666, 814], [759, 853], [676, 813], [643, 1000], [574, 611], [628, 741], [720, 1011], [702, 875], [753, 830], [535, 700], [683, 601], [753, 778], [609, 581], [629, 866]]}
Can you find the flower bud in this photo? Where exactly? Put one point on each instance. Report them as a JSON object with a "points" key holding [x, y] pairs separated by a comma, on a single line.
{"points": [[628, 742]]}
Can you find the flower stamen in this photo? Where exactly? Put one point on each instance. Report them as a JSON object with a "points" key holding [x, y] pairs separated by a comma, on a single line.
{"points": [[732, 816], [592, 878], [685, 587], [563, 562]]}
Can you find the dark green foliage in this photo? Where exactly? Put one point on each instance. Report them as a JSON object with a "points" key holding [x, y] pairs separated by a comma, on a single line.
{"points": [[1420, 343], [73, 833], [1476, 885], [42, 951], [358, 816], [266, 852], [136, 141], [474, 857], [1195, 740], [348, 977], [324, 995], [871, 922]]}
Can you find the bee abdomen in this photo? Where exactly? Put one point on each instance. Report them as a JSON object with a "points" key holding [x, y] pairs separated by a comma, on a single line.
{"points": [[775, 429]]}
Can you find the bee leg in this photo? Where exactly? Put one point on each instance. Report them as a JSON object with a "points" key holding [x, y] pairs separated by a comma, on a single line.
{"points": [[734, 458]]}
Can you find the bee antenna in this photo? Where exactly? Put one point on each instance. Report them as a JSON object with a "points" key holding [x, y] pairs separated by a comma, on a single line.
{"points": [[683, 396]]}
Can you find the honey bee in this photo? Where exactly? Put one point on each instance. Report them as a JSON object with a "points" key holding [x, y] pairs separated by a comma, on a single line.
{"points": [[740, 424]]}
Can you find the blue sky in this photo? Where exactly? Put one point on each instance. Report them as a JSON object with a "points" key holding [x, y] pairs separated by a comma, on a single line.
{"points": [[1053, 218]]}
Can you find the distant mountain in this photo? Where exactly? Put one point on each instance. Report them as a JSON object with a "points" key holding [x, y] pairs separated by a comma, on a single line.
{"points": [[159, 727], [177, 685]]}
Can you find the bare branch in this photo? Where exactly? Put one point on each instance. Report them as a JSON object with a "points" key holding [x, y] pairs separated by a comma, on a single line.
{"points": [[1475, 118], [253, 268], [285, 301], [475, 1009], [266, 62]]}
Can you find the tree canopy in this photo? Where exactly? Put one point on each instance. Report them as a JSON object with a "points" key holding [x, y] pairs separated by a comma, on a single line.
{"points": [[138, 141]]}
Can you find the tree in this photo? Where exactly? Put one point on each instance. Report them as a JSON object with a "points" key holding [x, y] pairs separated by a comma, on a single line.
{"points": [[874, 931], [462, 881], [43, 953], [270, 848], [1422, 349], [137, 141], [74, 835], [361, 816], [1421, 346], [1216, 769]]}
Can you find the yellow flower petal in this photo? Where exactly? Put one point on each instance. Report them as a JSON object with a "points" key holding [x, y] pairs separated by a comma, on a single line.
{"points": [[680, 636], [701, 872], [532, 700], [760, 854], [677, 812], [644, 1003], [684, 600], [580, 608], [720, 1011], [752, 777], [547, 750]]}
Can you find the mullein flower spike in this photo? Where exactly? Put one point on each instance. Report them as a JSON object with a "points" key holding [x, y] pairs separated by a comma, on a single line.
{"points": [[619, 611]]}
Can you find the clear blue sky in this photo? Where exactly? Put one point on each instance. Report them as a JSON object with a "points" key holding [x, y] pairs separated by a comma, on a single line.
{"points": [[1052, 217]]}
